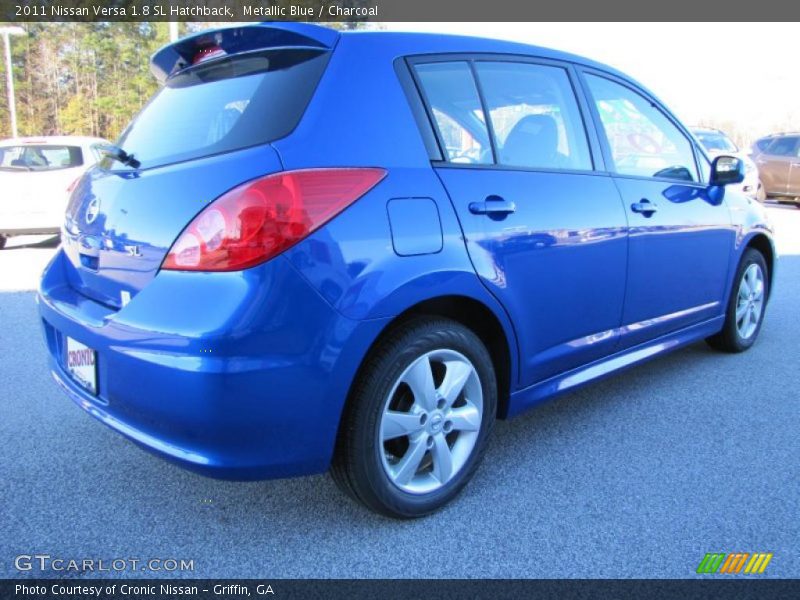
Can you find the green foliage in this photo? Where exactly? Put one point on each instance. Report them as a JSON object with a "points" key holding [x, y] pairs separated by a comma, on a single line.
{"points": [[81, 78], [86, 78]]}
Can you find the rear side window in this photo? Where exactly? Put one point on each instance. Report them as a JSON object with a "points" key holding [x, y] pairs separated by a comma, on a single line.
{"points": [[40, 157], [783, 146], [535, 116], [225, 105], [453, 98], [643, 141]]}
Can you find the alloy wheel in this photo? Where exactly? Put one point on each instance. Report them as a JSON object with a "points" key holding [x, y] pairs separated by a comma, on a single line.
{"points": [[431, 421], [750, 301]]}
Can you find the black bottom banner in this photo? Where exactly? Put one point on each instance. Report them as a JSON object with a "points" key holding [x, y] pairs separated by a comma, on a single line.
{"points": [[405, 589]]}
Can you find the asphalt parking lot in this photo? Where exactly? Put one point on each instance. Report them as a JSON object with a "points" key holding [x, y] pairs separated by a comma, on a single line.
{"points": [[637, 476]]}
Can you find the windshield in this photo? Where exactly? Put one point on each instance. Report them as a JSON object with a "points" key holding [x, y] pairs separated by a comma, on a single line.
{"points": [[42, 157], [224, 105], [716, 142]]}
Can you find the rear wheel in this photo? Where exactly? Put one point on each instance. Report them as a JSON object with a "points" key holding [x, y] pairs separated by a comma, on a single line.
{"points": [[3, 240], [418, 419], [746, 306]]}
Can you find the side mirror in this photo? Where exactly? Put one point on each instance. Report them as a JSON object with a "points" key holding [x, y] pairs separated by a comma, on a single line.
{"points": [[726, 170]]}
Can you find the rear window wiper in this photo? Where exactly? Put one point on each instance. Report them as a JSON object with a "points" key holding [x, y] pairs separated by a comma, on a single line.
{"points": [[119, 154]]}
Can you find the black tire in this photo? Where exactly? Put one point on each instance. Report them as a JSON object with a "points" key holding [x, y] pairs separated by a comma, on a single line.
{"points": [[729, 339], [358, 466], [3, 240], [761, 193]]}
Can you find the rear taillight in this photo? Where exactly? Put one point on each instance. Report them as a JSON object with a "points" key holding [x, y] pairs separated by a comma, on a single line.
{"points": [[73, 184], [262, 218]]}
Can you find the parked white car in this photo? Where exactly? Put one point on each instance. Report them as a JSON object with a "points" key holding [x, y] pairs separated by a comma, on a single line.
{"points": [[37, 176], [715, 143]]}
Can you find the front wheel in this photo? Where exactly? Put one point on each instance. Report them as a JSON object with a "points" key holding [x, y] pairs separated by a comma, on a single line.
{"points": [[3, 240], [418, 419], [746, 306], [761, 193]]}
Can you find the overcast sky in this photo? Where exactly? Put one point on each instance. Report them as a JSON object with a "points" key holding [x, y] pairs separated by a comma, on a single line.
{"points": [[748, 73]]}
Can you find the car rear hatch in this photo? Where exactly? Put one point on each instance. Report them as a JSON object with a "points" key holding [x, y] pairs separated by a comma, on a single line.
{"points": [[226, 95]]}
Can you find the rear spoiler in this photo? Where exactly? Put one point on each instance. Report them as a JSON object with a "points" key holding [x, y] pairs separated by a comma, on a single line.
{"points": [[235, 40]]}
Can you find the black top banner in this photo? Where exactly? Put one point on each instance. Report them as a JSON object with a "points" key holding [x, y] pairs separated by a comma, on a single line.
{"points": [[396, 10]]}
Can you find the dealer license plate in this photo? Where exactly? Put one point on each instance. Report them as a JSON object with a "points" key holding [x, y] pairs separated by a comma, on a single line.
{"points": [[82, 364]]}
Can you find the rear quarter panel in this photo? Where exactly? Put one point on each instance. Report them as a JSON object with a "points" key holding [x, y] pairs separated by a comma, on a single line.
{"points": [[360, 116]]}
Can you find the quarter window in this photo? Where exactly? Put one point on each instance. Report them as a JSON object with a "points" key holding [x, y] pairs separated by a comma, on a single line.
{"points": [[534, 115], [705, 167], [451, 93], [643, 141]]}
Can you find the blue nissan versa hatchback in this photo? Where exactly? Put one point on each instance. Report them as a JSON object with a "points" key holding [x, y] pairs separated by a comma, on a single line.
{"points": [[315, 249]]}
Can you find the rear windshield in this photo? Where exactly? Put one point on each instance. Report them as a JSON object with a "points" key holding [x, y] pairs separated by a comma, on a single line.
{"points": [[44, 157], [224, 105], [715, 142]]}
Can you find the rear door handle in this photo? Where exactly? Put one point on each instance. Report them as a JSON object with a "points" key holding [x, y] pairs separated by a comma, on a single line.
{"points": [[494, 206], [644, 207]]}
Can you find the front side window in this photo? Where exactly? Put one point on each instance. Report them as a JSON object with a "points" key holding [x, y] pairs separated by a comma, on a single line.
{"points": [[643, 141], [40, 157], [783, 146], [763, 143], [451, 93], [534, 115]]}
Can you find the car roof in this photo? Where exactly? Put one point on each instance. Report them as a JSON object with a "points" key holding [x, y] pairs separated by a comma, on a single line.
{"points": [[399, 44], [777, 135], [390, 44], [707, 130], [410, 43], [67, 140]]}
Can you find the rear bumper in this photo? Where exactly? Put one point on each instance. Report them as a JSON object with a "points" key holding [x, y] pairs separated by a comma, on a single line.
{"points": [[18, 222], [233, 375], [9, 231]]}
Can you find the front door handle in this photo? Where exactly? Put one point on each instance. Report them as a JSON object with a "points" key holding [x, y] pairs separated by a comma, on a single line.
{"points": [[644, 207], [494, 206]]}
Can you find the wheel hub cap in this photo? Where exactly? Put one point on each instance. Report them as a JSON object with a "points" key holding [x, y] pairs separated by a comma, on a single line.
{"points": [[436, 423], [750, 301], [430, 421]]}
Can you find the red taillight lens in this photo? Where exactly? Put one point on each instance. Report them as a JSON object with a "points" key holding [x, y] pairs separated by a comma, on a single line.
{"points": [[73, 185], [258, 220]]}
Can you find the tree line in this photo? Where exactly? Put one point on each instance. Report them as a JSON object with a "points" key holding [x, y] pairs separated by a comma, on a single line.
{"points": [[81, 78], [85, 78]]}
